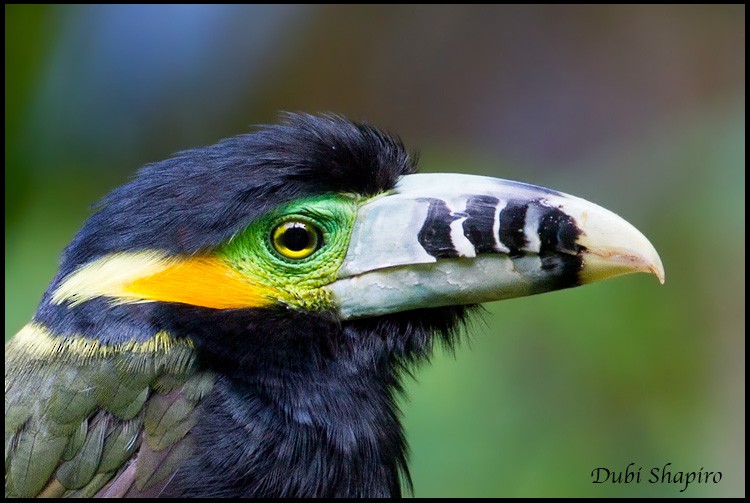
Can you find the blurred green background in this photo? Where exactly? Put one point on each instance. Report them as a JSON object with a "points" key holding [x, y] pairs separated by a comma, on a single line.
{"points": [[638, 108]]}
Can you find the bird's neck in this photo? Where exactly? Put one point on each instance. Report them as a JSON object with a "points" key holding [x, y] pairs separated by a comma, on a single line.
{"points": [[300, 408], [303, 405], [334, 434]]}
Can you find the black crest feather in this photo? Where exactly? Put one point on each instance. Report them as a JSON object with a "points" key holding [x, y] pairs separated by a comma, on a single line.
{"points": [[201, 197]]}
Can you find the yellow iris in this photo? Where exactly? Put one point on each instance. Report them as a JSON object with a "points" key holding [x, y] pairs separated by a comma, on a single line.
{"points": [[295, 239]]}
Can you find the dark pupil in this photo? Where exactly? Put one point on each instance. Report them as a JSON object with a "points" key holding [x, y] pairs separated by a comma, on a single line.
{"points": [[296, 238]]}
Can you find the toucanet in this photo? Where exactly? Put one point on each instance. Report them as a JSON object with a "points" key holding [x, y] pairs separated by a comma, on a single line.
{"points": [[236, 320]]}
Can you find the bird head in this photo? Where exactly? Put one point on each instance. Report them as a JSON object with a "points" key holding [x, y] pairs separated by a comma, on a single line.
{"points": [[322, 218], [307, 266]]}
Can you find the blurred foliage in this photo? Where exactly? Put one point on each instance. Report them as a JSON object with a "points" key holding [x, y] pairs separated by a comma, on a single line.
{"points": [[637, 108]]}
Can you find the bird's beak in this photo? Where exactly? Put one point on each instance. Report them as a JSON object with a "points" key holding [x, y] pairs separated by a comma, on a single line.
{"points": [[440, 239]]}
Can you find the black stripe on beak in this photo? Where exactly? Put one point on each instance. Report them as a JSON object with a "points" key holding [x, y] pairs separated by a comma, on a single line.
{"points": [[559, 252], [512, 222], [480, 222], [435, 235]]}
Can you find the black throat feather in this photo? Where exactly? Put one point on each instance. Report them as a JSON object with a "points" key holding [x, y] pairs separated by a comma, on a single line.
{"points": [[305, 405]]}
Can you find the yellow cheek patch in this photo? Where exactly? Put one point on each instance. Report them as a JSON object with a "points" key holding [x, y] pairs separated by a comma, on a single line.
{"points": [[204, 282], [151, 276]]}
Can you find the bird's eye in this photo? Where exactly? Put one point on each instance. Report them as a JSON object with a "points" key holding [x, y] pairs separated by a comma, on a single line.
{"points": [[296, 239]]}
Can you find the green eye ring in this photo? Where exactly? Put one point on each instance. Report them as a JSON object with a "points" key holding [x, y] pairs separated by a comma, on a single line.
{"points": [[296, 239]]}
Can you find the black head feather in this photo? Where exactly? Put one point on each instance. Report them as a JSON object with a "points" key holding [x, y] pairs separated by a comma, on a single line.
{"points": [[203, 196]]}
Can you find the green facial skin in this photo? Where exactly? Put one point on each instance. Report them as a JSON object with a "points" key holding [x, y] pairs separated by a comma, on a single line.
{"points": [[297, 283]]}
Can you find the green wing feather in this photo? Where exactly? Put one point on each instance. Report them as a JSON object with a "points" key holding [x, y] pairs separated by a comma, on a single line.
{"points": [[84, 419]]}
